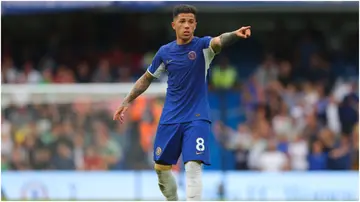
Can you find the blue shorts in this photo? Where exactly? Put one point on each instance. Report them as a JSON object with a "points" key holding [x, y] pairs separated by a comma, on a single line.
{"points": [[189, 139]]}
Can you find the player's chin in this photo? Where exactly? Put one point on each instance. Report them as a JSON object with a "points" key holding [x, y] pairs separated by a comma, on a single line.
{"points": [[186, 37]]}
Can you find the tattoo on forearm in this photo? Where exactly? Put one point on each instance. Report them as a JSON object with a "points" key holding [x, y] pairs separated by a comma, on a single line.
{"points": [[140, 86], [228, 38]]}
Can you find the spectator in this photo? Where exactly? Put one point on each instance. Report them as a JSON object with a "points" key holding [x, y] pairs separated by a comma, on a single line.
{"points": [[285, 73], [18, 160], [321, 104], [108, 148], [102, 74], [332, 116], [273, 160], [29, 75], [258, 145], [283, 143], [298, 152], [282, 122], [125, 75], [47, 76], [4, 163], [42, 158], [222, 133], [6, 142], [256, 92], [147, 59], [298, 116], [319, 72], [311, 128], [291, 96], [267, 72], [9, 71], [78, 143], [327, 138], [63, 158], [224, 75], [248, 103], [240, 142], [64, 75], [311, 96], [274, 102], [31, 145], [339, 156], [83, 74], [349, 112], [317, 158], [93, 161]]}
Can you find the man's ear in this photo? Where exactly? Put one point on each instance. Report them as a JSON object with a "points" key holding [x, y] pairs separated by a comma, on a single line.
{"points": [[173, 25]]}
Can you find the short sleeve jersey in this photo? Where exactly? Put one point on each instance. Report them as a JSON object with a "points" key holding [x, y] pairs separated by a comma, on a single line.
{"points": [[187, 67]]}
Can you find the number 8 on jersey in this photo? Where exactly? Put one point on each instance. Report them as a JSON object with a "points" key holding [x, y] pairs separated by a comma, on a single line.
{"points": [[200, 144]]}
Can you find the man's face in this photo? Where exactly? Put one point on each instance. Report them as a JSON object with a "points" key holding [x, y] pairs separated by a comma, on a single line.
{"points": [[184, 25]]}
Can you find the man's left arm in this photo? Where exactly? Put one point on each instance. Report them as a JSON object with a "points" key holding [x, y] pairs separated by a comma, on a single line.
{"points": [[228, 38]]}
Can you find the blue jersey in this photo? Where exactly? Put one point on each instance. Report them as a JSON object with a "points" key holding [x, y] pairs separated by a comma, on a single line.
{"points": [[187, 67]]}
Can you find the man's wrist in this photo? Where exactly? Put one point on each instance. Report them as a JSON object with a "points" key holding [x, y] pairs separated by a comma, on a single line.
{"points": [[125, 103], [228, 38]]}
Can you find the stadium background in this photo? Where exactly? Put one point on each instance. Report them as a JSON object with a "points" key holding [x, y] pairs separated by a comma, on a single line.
{"points": [[284, 100]]}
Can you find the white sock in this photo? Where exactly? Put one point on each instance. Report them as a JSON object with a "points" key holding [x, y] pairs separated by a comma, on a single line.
{"points": [[193, 181], [167, 184]]}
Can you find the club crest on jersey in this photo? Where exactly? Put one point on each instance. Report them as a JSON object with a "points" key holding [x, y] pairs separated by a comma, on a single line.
{"points": [[192, 55], [158, 151]]}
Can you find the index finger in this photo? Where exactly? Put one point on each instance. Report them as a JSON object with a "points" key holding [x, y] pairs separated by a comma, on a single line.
{"points": [[115, 117], [117, 113], [246, 27]]}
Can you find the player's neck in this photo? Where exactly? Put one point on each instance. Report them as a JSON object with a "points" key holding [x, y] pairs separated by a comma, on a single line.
{"points": [[183, 42]]}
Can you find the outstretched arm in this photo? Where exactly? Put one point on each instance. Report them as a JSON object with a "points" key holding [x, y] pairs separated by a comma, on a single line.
{"points": [[228, 38], [154, 71], [140, 86]]}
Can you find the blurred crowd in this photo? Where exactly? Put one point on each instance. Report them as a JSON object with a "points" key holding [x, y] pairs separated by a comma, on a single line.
{"points": [[295, 119], [115, 67], [78, 136], [292, 125], [299, 104]]}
